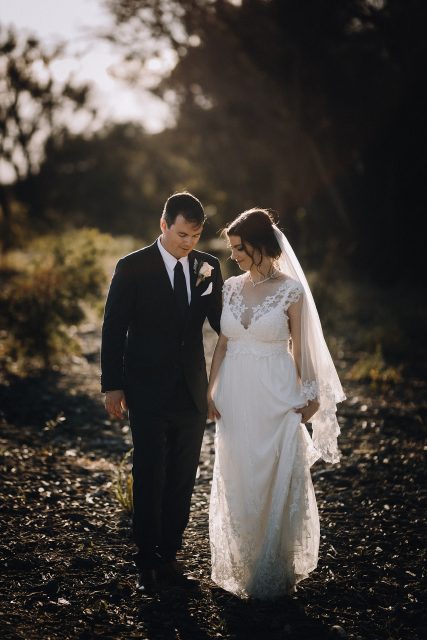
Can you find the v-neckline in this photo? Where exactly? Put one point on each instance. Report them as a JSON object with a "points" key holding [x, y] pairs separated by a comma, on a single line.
{"points": [[243, 307]]}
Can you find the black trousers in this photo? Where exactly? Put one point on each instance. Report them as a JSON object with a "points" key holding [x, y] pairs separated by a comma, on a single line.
{"points": [[166, 454]]}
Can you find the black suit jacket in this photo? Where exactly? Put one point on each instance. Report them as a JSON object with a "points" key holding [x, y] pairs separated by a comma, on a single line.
{"points": [[146, 346]]}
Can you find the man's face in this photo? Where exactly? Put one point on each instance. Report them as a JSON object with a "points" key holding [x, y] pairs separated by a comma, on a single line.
{"points": [[181, 237]]}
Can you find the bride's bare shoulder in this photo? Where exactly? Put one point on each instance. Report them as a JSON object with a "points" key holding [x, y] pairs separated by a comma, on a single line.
{"points": [[283, 277], [234, 279], [289, 287]]}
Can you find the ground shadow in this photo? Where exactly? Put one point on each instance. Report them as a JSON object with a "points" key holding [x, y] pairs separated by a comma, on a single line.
{"points": [[59, 412], [254, 619], [176, 613], [35, 399]]}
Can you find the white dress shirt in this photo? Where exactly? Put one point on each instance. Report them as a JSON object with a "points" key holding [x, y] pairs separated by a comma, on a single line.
{"points": [[170, 262]]}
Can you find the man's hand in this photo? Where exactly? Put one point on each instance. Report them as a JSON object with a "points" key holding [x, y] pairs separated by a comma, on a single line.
{"points": [[308, 411], [115, 403]]}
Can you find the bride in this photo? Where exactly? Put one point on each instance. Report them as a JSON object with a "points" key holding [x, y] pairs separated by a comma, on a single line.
{"points": [[271, 373]]}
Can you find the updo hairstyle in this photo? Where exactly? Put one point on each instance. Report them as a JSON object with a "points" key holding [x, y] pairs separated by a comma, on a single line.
{"points": [[255, 226]]}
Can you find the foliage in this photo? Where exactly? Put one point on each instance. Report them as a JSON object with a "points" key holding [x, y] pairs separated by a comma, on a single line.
{"points": [[33, 107], [41, 304], [371, 367], [378, 329], [311, 108], [116, 180], [367, 314]]}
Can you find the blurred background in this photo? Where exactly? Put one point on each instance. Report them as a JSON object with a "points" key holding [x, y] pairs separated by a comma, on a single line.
{"points": [[313, 109]]}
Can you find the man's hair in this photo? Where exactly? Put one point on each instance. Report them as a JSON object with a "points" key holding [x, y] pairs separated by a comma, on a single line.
{"points": [[187, 205]]}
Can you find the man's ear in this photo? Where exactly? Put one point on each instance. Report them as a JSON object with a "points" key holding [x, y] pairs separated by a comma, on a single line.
{"points": [[163, 224]]}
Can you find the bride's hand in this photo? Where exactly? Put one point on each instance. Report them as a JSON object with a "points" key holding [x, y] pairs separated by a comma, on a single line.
{"points": [[213, 413], [308, 411]]}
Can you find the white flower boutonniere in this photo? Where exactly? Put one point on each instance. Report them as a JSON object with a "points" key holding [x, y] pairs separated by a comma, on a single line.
{"points": [[205, 271]]}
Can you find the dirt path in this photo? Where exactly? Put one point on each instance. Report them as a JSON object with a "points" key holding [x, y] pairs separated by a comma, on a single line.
{"points": [[66, 551]]}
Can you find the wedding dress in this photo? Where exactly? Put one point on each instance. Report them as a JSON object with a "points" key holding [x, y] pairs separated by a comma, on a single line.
{"points": [[263, 520]]}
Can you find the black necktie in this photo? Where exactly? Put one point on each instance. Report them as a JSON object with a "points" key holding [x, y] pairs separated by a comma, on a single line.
{"points": [[180, 289]]}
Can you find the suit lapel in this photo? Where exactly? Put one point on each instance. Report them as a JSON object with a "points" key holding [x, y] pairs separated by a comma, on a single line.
{"points": [[160, 274], [194, 264]]}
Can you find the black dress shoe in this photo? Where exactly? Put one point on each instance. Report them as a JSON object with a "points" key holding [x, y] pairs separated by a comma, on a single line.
{"points": [[148, 583], [172, 575]]}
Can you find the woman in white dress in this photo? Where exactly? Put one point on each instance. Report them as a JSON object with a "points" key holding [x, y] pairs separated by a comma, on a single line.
{"points": [[271, 372]]}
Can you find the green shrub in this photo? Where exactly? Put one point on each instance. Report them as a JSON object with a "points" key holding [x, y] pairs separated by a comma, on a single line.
{"points": [[366, 314], [40, 304], [372, 368]]}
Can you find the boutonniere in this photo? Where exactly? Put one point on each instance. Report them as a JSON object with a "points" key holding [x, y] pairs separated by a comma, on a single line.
{"points": [[202, 272]]}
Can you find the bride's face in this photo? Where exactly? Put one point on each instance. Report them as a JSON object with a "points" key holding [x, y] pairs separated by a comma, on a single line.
{"points": [[244, 255]]}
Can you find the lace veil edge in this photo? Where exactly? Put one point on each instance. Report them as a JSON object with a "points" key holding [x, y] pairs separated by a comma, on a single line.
{"points": [[319, 377]]}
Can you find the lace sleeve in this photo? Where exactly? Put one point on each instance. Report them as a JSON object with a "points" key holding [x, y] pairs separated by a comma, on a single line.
{"points": [[292, 294], [310, 389]]}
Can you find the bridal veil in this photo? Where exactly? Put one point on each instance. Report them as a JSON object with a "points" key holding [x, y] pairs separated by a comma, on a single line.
{"points": [[319, 378]]}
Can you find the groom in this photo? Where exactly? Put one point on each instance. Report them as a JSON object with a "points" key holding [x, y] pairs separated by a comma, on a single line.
{"points": [[153, 365]]}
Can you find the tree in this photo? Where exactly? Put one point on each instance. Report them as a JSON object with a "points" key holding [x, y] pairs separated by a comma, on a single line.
{"points": [[34, 107], [117, 179], [300, 105]]}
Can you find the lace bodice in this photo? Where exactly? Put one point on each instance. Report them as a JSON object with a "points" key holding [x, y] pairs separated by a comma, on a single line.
{"points": [[258, 314]]}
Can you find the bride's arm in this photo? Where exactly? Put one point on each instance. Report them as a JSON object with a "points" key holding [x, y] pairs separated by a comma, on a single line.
{"points": [[294, 314], [218, 357]]}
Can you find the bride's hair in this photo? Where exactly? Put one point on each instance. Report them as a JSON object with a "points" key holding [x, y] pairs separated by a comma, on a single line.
{"points": [[255, 226]]}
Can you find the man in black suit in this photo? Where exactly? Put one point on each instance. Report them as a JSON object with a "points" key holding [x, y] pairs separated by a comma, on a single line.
{"points": [[153, 365]]}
